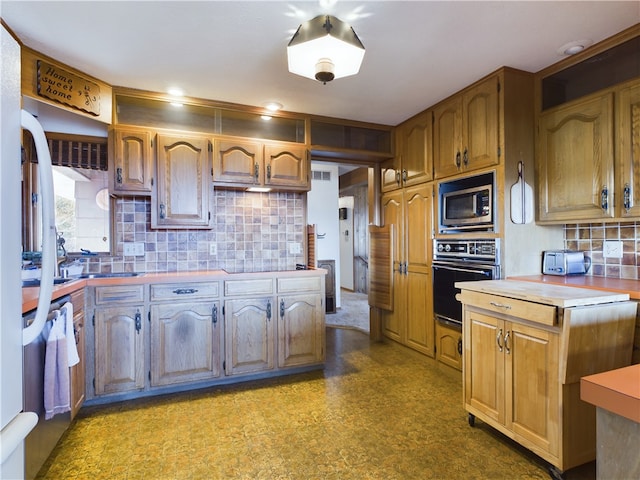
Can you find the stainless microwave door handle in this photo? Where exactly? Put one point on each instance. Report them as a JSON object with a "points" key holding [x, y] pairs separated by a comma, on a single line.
{"points": [[475, 204]]}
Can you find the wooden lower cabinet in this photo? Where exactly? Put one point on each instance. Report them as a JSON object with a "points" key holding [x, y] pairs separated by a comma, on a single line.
{"points": [[249, 340], [119, 348], [449, 345], [78, 371], [185, 342], [300, 330]]}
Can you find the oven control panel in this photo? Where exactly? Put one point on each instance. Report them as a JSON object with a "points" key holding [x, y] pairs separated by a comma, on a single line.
{"points": [[484, 249]]}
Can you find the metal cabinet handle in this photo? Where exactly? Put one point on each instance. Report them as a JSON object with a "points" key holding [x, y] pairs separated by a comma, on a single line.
{"points": [[162, 210], [282, 308], [627, 197], [269, 172], [404, 176], [500, 305], [498, 340], [604, 198], [256, 171], [398, 177], [185, 291], [458, 159], [214, 314], [118, 175], [506, 342], [460, 346], [138, 321], [269, 310], [465, 157]]}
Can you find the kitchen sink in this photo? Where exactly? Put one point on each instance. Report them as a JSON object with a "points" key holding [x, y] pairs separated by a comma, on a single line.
{"points": [[35, 282], [109, 275]]}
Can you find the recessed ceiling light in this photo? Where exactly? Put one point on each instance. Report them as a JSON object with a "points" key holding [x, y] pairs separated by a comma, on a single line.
{"points": [[574, 47], [175, 92], [273, 106], [265, 117]]}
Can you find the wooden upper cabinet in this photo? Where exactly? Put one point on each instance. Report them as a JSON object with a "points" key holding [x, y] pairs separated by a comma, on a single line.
{"points": [[575, 160], [130, 161], [286, 166], [628, 188], [240, 164], [466, 129], [237, 162], [414, 162], [180, 197]]}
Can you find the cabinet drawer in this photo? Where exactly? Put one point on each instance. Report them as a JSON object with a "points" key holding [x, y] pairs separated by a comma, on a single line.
{"points": [[184, 291], [304, 284], [120, 293], [534, 312], [261, 286]]}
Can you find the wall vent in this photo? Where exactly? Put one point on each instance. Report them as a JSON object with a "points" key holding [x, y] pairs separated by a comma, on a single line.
{"points": [[320, 175]]}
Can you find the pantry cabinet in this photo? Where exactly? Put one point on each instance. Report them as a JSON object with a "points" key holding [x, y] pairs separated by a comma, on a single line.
{"points": [[243, 163], [628, 156], [466, 129], [130, 161], [410, 322], [186, 327], [414, 162], [180, 196], [526, 346], [119, 332]]}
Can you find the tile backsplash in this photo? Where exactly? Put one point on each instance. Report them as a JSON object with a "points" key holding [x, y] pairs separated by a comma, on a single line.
{"points": [[590, 238], [252, 233]]}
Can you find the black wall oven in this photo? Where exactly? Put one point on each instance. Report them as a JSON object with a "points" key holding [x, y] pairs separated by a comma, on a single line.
{"points": [[460, 261]]}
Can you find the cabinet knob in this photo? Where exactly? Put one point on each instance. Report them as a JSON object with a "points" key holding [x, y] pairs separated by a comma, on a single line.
{"points": [[465, 157], [458, 159]]}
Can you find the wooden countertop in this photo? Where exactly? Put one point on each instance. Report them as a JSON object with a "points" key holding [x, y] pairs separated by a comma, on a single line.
{"points": [[617, 391], [30, 294], [620, 285], [548, 294]]}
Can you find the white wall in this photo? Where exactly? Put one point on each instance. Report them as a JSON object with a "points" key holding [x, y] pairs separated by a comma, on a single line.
{"points": [[346, 244], [322, 210]]}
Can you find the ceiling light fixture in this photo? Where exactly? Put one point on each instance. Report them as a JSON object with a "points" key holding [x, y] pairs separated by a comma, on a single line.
{"points": [[325, 48], [574, 47]]}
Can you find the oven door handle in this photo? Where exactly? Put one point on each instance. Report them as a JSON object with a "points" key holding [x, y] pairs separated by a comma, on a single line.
{"points": [[459, 269]]}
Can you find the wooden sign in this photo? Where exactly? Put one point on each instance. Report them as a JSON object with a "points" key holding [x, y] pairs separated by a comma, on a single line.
{"points": [[64, 87]]}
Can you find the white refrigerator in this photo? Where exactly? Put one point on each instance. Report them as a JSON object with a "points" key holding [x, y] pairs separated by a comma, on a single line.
{"points": [[15, 424]]}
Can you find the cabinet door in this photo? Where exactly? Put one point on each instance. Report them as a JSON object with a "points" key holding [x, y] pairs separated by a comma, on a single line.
{"points": [[449, 346], [249, 341], [447, 125], [628, 189], [185, 342], [392, 214], [531, 380], [480, 106], [77, 372], [180, 197], [119, 349], [131, 161], [484, 364], [287, 166], [390, 174], [237, 162], [575, 161], [300, 330], [417, 149], [420, 328]]}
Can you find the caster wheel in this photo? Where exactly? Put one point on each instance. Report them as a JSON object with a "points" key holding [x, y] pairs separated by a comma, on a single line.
{"points": [[472, 420]]}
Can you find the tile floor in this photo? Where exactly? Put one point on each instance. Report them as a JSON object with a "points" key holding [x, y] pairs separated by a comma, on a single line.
{"points": [[377, 411]]}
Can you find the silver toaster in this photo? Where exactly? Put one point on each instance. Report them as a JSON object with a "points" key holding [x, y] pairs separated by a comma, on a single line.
{"points": [[565, 262]]}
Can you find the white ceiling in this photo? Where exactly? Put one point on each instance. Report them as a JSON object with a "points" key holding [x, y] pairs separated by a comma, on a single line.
{"points": [[417, 52]]}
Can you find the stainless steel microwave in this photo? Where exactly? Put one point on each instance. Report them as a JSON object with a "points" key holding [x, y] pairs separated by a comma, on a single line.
{"points": [[468, 208]]}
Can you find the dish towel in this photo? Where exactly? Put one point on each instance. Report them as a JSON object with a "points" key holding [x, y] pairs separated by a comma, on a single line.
{"points": [[72, 349], [56, 371]]}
